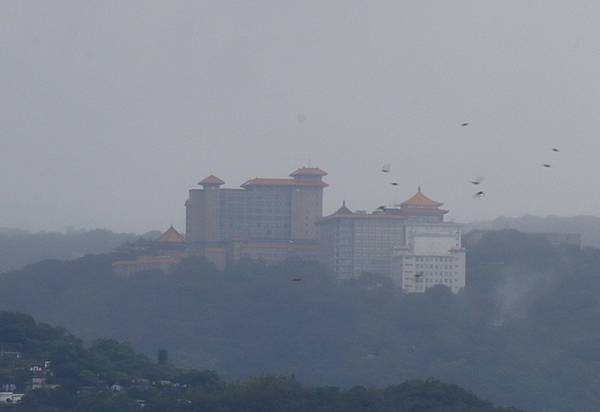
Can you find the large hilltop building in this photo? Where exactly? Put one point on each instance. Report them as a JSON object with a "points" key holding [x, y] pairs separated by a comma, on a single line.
{"points": [[267, 218], [272, 219], [411, 243]]}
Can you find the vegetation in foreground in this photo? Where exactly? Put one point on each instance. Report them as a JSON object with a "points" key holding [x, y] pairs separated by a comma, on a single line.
{"points": [[523, 333], [110, 376]]}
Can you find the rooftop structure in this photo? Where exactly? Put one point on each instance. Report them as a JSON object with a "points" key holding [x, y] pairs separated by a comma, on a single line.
{"points": [[211, 180], [171, 236]]}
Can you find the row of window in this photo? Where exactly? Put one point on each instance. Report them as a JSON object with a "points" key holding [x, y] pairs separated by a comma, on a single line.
{"points": [[432, 266], [434, 258]]}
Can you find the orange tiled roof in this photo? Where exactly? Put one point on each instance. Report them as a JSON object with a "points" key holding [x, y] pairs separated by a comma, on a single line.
{"points": [[211, 180], [171, 236], [260, 181], [308, 171], [420, 200]]}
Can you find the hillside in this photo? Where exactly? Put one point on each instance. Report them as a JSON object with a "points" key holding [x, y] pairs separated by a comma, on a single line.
{"points": [[587, 226], [109, 376], [19, 248], [530, 311]]}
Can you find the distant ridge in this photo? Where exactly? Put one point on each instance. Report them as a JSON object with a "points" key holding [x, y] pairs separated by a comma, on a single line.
{"points": [[19, 248], [586, 225]]}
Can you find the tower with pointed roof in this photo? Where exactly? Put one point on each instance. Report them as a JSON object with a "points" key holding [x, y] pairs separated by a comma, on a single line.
{"points": [[421, 207], [202, 210]]}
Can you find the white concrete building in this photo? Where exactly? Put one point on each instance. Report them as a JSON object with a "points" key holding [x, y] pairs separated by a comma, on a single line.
{"points": [[432, 256]]}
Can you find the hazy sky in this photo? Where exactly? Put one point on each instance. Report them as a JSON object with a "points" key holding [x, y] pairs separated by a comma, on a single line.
{"points": [[111, 110]]}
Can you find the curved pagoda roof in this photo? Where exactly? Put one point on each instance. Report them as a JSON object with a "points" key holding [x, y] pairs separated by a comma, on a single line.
{"points": [[308, 171], [171, 236], [343, 210], [211, 180], [420, 200], [421, 205]]}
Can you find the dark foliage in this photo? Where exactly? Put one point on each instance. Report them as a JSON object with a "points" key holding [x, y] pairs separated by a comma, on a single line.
{"points": [[86, 375], [523, 333]]}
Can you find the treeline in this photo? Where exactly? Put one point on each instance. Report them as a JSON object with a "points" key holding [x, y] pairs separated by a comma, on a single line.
{"points": [[587, 226], [110, 376], [523, 333], [268, 394]]}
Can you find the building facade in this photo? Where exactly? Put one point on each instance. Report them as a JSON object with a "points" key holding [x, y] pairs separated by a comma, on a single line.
{"points": [[410, 243], [267, 218], [432, 255], [353, 243]]}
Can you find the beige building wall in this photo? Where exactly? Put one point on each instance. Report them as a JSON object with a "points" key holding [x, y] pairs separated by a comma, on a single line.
{"points": [[194, 216], [307, 209], [212, 203]]}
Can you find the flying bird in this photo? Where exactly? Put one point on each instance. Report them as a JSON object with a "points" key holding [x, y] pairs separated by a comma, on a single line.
{"points": [[464, 124], [296, 279], [477, 180], [547, 165], [554, 149], [419, 275], [478, 195], [382, 208], [386, 168], [394, 183]]}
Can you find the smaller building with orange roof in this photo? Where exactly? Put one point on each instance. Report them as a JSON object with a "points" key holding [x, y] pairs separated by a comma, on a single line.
{"points": [[160, 254], [171, 236]]}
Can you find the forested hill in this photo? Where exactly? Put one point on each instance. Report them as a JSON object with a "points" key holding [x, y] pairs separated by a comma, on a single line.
{"points": [[109, 376], [19, 248], [587, 226], [523, 333]]}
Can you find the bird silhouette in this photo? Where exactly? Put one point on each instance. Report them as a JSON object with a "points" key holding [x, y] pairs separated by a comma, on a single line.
{"points": [[464, 124], [296, 279], [554, 149], [478, 195], [382, 208], [394, 183], [386, 168], [477, 180], [547, 165]]}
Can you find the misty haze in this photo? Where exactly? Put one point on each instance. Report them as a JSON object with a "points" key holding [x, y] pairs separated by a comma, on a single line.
{"points": [[299, 206]]}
